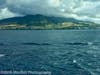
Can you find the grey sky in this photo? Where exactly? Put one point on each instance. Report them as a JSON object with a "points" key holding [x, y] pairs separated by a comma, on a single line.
{"points": [[79, 9]]}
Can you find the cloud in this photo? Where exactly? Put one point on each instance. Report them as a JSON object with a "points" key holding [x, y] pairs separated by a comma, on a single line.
{"points": [[5, 13], [46, 7], [79, 9]]}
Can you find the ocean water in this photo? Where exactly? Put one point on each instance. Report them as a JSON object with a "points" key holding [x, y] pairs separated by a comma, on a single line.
{"points": [[61, 52]]}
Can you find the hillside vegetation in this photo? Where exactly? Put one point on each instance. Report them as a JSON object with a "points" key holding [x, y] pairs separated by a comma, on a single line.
{"points": [[45, 22]]}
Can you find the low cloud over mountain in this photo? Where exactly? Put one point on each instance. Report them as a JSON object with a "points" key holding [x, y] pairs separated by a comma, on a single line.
{"points": [[88, 10]]}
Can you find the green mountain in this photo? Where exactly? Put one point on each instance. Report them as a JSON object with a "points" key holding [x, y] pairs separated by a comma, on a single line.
{"points": [[45, 22]]}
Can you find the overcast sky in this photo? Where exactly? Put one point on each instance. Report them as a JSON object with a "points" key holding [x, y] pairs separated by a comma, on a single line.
{"points": [[88, 10]]}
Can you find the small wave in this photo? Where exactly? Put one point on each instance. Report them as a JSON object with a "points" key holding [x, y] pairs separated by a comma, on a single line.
{"points": [[2, 44], [77, 43], [96, 43], [5, 44], [82, 43], [72, 66], [46, 43], [36, 43], [84, 70], [67, 43]]}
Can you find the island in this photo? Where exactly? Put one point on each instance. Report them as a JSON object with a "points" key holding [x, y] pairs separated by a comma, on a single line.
{"points": [[40, 22]]}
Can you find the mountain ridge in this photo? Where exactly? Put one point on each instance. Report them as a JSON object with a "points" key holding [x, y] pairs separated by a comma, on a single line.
{"points": [[44, 22]]}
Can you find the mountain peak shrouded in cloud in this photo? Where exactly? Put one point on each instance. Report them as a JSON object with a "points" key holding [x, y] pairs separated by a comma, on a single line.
{"points": [[88, 10]]}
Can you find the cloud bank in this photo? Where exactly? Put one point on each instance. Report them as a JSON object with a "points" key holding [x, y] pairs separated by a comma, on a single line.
{"points": [[88, 10]]}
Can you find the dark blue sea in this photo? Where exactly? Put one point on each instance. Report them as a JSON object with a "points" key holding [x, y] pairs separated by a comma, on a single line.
{"points": [[61, 52]]}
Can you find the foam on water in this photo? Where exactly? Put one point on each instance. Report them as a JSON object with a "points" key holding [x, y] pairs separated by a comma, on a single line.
{"points": [[2, 55], [74, 61], [90, 43]]}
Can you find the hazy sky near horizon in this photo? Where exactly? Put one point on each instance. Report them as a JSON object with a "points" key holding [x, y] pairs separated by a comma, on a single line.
{"points": [[88, 10]]}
